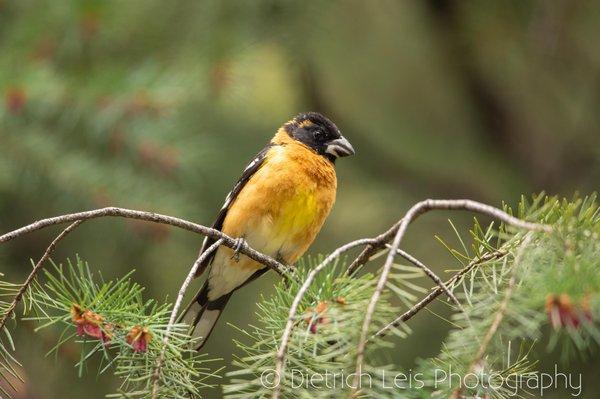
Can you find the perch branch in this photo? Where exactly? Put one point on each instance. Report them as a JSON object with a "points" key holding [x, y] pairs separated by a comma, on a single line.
{"points": [[173, 318], [155, 218], [280, 360], [413, 213], [36, 268]]}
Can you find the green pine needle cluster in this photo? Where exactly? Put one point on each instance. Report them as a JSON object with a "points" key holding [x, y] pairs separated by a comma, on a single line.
{"points": [[120, 328], [538, 282], [326, 330], [8, 363]]}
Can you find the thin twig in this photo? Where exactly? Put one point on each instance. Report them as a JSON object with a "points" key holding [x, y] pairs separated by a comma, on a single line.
{"points": [[285, 337], [155, 218], [36, 268], [414, 212], [438, 291], [379, 243], [173, 318], [432, 276], [500, 313]]}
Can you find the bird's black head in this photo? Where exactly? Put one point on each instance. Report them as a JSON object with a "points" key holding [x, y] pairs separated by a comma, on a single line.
{"points": [[319, 133]]}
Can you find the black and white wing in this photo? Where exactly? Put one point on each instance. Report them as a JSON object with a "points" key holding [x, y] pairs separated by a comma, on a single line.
{"points": [[252, 167]]}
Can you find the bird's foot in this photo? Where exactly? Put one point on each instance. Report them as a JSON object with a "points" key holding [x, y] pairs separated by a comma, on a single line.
{"points": [[239, 244]]}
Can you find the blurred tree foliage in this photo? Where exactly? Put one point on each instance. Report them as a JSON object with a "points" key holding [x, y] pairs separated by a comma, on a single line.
{"points": [[159, 105]]}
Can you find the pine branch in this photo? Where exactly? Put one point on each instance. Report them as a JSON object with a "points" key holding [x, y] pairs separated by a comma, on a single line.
{"points": [[379, 243], [175, 311], [323, 339], [280, 361], [129, 333], [438, 291], [500, 313], [381, 240], [552, 281], [414, 212], [432, 276], [162, 373]]}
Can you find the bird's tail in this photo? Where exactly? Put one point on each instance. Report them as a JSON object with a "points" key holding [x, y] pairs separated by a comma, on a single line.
{"points": [[202, 315]]}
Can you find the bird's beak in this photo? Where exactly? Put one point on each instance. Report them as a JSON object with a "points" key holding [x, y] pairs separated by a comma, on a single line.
{"points": [[339, 148]]}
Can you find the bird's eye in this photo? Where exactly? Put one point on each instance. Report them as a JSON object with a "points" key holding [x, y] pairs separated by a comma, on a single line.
{"points": [[318, 134]]}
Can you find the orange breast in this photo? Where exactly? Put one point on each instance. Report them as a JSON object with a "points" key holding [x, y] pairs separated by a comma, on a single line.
{"points": [[284, 205]]}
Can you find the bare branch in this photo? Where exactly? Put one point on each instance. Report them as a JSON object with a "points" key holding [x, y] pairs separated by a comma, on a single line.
{"points": [[414, 212], [379, 243], [438, 291], [468, 205], [36, 269], [280, 361], [432, 276], [173, 318], [155, 218]]}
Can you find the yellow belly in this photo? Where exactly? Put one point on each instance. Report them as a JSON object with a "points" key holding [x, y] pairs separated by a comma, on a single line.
{"points": [[283, 207], [297, 214]]}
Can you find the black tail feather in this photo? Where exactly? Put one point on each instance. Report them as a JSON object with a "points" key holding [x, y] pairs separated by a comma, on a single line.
{"points": [[203, 315]]}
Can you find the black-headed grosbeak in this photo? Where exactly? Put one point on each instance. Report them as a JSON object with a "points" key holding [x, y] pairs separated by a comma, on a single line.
{"points": [[278, 206]]}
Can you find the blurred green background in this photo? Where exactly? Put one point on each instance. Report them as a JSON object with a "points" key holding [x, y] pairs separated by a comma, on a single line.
{"points": [[159, 105]]}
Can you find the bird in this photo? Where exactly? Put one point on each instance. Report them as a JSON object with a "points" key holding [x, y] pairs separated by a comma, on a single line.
{"points": [[277, 207]]}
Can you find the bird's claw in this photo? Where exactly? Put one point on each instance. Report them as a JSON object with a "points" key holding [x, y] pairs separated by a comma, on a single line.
{"points": [[239, 244]]}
